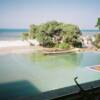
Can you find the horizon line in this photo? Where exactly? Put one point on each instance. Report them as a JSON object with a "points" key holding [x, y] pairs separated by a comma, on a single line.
{"points": [[28, 28]]}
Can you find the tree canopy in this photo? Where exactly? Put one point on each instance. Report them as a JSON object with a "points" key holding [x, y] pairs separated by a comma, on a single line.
{"points": [[97, 40], [98, 23], [56, 34]]}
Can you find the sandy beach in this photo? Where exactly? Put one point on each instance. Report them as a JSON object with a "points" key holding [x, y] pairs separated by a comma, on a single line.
{"points": [[14, 43], [16, 46], [19, 46]]}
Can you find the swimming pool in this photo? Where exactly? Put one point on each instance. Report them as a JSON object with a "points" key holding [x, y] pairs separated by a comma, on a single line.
{"points": [[32, 74]]}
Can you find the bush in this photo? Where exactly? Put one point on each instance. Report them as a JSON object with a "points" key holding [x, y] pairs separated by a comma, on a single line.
{"points": [[64, 46], [33, 31], [45, 40], [52, 33], [77, 44], [97, 40], [25, 36]]}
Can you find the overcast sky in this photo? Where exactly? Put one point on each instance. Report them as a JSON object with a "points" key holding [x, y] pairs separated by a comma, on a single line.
{"points": [[22, 13]]}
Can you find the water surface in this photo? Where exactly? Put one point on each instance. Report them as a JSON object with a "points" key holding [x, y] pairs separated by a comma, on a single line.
{"points": [[43, 73], [11, 34]]}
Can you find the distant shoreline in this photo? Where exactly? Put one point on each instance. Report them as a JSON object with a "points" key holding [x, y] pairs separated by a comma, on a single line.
{"points": [[17, 46]]}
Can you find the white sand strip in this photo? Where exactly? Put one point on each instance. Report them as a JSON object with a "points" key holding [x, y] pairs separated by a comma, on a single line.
{"points": [[18, 46], [17, 50], [15, 43]]}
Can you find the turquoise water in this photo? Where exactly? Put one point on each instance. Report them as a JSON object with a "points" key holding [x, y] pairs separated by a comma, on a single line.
{"points": [[90, 32], [11, 34], [36, 73]]}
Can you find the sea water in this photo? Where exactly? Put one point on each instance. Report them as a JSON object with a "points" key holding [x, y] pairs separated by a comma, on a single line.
{"points": [[11, 34]]}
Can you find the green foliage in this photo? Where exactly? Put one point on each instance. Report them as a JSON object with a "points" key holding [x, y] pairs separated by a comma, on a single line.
{"points": [[97, 40], [44, 40], [32, 32], [98, 23], [71, 35], [52, 33], [25, 36], [63, 46], [77, 43]]}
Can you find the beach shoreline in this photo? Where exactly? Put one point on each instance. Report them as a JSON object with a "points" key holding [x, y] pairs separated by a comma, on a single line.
{"points": [[19, 46], [13, 43], [16, 46]]}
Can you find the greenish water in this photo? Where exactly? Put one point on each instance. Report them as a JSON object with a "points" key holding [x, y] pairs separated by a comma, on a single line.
{"points": [[36, 73]]}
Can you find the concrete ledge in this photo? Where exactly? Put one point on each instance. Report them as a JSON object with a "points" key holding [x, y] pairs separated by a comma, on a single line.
{"points": [[67, 92]]}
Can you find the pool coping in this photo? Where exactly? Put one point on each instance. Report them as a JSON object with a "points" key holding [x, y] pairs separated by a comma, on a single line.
{"points": [[62, 92], [91, 68]]}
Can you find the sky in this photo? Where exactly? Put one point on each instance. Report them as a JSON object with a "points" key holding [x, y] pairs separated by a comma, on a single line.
{"points": [[22, 13]]}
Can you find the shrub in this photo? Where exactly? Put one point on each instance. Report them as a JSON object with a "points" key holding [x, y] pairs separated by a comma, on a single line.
{"points": [[45, 40], [98, 23], [64, 46], [97, 40], [24, 36], [52, 33]]}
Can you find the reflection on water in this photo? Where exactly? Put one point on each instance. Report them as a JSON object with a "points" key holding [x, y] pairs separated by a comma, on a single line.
{"points": [[48, 72], [70, 60]]}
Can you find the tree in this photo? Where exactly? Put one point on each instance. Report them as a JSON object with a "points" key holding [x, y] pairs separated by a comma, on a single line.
{"points": [[44, 40], [98, 23], [55, 33], [25, 36], [32, 31], [97, 40], [71, 35]]}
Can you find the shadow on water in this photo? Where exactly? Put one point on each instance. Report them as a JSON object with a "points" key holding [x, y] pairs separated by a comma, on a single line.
{"points": [[11, 90]]}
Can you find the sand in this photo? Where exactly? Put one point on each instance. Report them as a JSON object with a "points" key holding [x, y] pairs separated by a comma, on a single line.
{"points": [[19, 46], [16, 43], [15, 46]]}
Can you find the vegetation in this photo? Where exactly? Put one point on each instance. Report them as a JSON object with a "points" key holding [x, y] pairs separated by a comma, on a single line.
{"points": [[97, 40], [98, 23], [25, 36], [55, 34], [97, 36], [63, 46]]}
